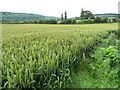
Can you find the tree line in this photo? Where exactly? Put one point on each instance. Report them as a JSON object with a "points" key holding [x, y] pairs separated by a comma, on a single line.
{"points": [[51, 21], [86, 17]]}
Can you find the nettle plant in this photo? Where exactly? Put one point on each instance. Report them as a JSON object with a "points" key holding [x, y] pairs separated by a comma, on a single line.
{"points": [[106, 62]]}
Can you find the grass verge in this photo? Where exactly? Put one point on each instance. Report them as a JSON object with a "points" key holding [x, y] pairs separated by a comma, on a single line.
{"points": [[96, 72]]}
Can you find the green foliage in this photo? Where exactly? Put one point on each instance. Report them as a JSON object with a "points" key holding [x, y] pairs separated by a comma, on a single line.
{"points": [[86, 15], [118, 33], [102, 70], [68, 21], [92, 21], [87, 21], [106, 60], [111, 40], [115, 20], [106, 63], [46, 22], [100, 20], [9, 17], [62, 16], [65, 15]]}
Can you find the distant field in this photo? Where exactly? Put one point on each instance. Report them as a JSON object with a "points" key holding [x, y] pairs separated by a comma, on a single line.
{"points": [[37, 56], [10, 30]]}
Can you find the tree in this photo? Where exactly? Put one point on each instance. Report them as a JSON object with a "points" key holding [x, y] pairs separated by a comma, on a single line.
{"points": [[62, 16], [86, 15], [97, 20], [68, 21], [81, 14], [114, 20], [65, 15]]}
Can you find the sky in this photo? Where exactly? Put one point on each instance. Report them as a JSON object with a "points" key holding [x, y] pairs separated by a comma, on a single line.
{"points": [[56, 7]]}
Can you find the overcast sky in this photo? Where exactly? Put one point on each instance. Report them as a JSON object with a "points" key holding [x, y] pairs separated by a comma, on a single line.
{"points": [[56, 7]]}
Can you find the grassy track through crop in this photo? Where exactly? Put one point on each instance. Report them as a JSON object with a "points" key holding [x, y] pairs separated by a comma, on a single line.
{"points": [[87, 76]]}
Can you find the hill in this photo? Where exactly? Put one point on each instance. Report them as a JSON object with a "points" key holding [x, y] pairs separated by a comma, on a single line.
{"points": [[17, 17], [108, 15]]}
